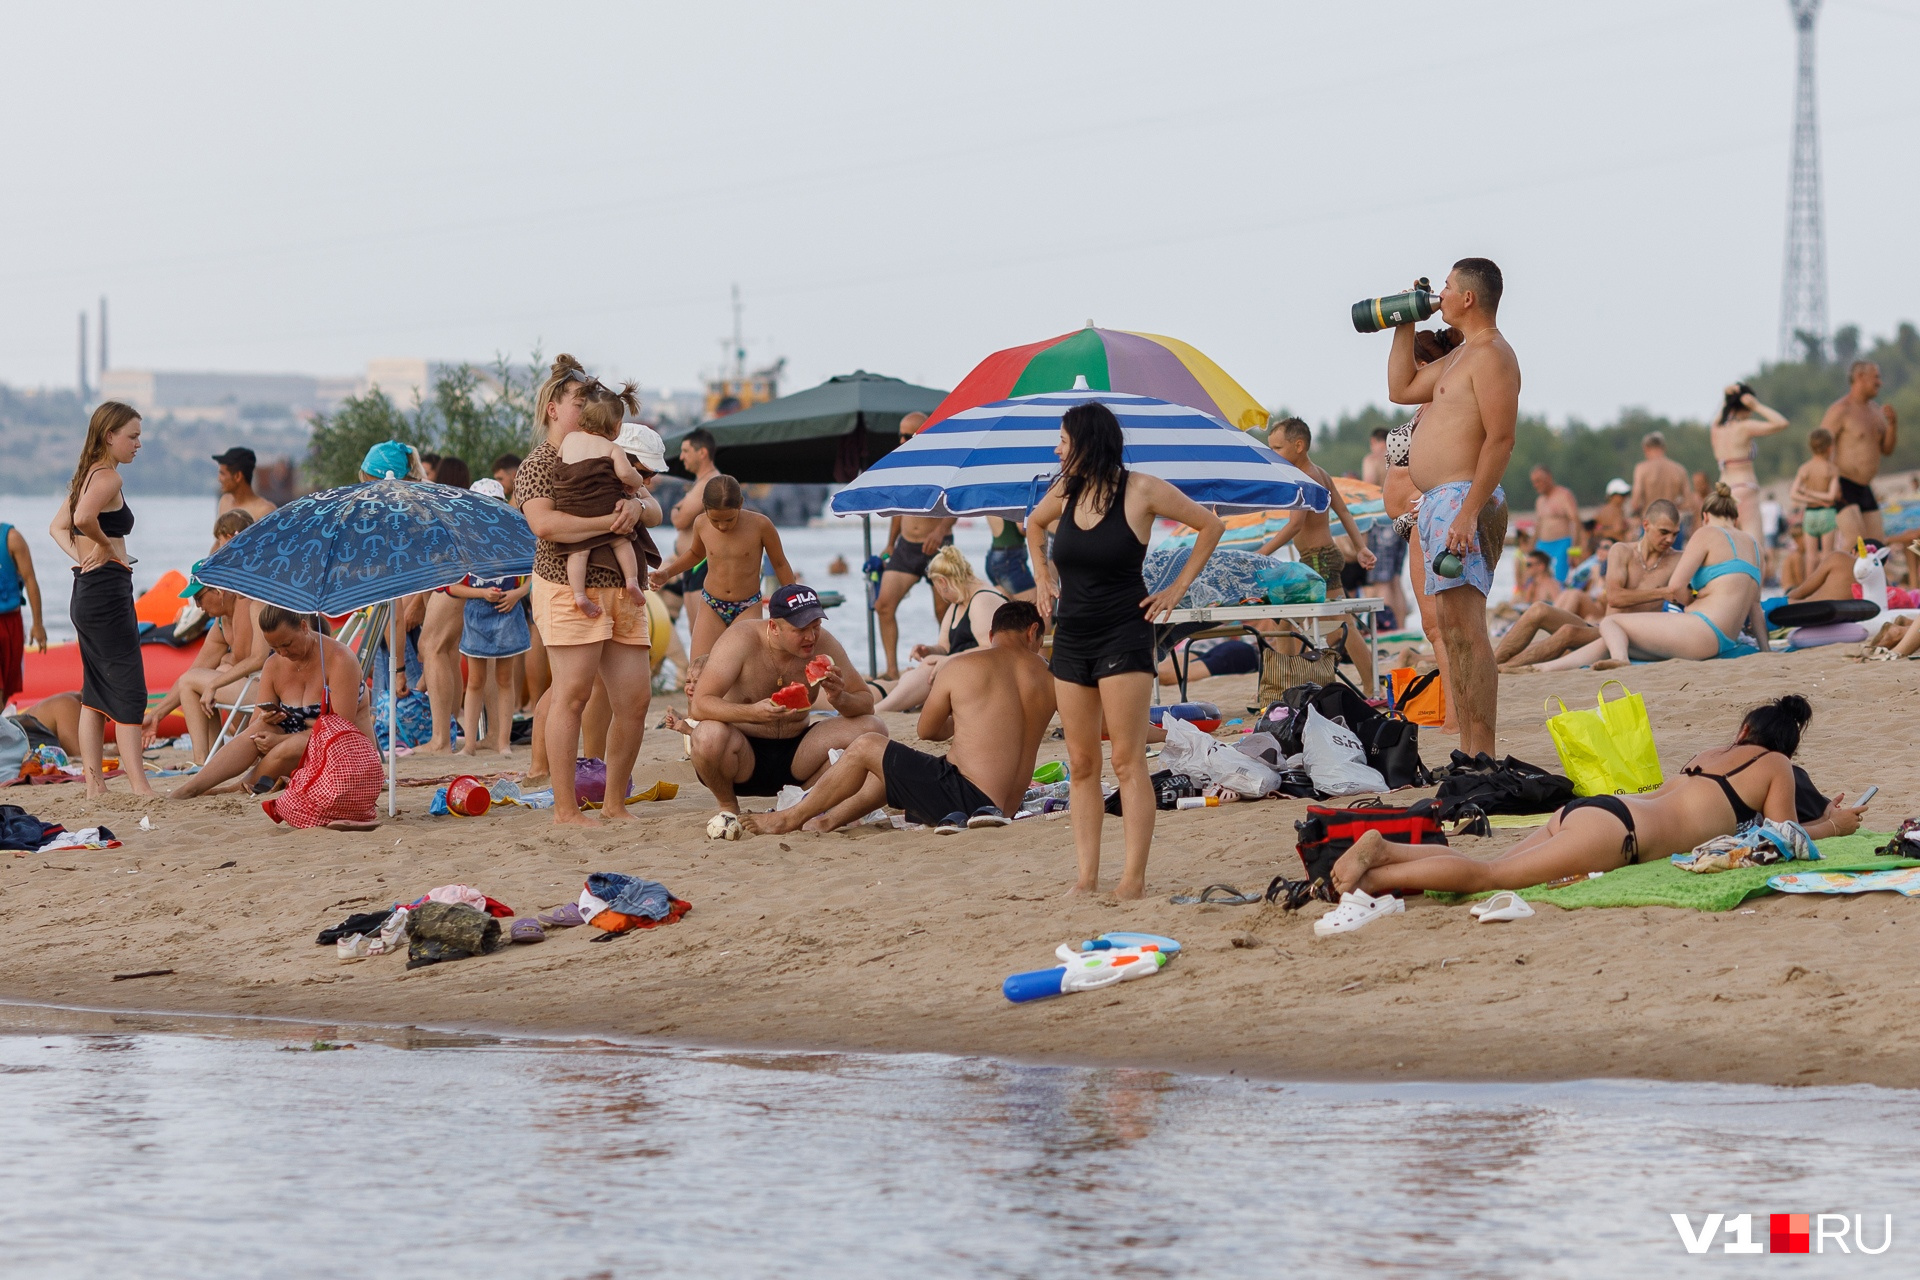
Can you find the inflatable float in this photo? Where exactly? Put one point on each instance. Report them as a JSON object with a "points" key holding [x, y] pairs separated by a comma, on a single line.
{"points": [[58, 670]]}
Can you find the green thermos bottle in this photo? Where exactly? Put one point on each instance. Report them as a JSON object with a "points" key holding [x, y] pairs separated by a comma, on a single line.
{"points": [[1370, 315]]}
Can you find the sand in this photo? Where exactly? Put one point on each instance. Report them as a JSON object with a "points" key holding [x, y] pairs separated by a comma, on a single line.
{"points": [[898, 941]]}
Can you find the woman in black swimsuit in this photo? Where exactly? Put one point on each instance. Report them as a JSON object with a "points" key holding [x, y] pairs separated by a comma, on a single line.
{"points": [[967, 619], [1718, 792], [1103, 641], [92, 527]]}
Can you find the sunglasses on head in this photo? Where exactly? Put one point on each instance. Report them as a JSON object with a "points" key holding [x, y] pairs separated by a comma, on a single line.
{"points": [[581, 375]]}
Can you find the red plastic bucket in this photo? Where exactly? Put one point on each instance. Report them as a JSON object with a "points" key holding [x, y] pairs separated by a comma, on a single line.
{"points": [[467, 797]]}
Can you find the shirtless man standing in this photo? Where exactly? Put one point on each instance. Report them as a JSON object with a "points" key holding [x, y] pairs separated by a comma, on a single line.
{"points": [[747, 744], [1862, 434], [236, 485], [1657, 478], [977, 699], [696, 455], [1458, 456], [1637, 577], [912, 543], [1556, 520]]}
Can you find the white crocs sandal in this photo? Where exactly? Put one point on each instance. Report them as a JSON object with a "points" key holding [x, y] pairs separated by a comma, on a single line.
{"points": [[1356, 910], [1504, 905]]}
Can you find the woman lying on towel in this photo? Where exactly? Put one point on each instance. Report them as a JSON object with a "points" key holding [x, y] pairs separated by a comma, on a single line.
{"points": [[1717, 582], [1719, 791]]}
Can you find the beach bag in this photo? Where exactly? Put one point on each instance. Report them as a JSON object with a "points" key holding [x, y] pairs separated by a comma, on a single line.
{"points": [[338, 780], [14, 749], [1508, 785], [1393, 748], [1290, 582], [1324, 834], [1336, 758], [1420, 698], [1609, 750], [1289, 662]]}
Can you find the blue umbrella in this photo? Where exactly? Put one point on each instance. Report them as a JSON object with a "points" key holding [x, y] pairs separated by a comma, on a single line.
{"points": [[342, 549], [997, 459]]}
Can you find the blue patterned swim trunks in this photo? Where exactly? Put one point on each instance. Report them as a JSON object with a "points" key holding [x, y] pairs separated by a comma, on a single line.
{"points": [[1439, 507]]}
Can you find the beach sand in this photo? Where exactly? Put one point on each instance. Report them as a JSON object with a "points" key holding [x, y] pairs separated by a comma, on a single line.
{"points": [[898, 941]]}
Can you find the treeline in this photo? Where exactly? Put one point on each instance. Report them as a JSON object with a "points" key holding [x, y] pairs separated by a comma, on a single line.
{"points": [[474, 414], [1585, 457]]}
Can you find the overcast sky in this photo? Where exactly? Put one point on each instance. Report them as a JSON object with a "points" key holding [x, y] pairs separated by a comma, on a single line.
{"points": [[905, 188]]}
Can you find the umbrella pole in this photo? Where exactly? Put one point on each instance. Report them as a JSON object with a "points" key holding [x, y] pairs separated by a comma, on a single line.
{"points": [[397, 657], [873, 645]]}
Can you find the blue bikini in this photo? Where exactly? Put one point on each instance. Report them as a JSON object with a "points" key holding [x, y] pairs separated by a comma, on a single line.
{"points": [[1707, 573]]}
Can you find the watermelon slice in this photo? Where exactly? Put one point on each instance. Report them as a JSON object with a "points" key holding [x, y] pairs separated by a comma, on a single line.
{"points": [[794, 697]]}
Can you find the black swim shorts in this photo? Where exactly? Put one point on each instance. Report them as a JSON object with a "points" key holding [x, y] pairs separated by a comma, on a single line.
{"points": [[1087, 658], [772, 765], [1854, 494], [1231, 658], [928, 787], [908, 557]]}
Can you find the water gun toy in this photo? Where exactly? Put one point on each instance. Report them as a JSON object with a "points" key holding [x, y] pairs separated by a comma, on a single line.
{"points": [[1084, 971], [1108, 941]]}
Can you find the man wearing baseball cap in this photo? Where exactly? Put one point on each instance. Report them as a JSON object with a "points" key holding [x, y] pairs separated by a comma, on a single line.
{"points": [[747, 744], [236, 484]]}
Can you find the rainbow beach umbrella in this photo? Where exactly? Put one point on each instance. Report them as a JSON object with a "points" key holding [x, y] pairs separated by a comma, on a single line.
{"points": [[1140, 364]]}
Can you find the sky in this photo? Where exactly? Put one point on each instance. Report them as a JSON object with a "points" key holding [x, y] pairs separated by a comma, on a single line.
{"points": [[907, 188]]}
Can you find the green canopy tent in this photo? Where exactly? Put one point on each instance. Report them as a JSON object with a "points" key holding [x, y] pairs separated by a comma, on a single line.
{"points": [[827, 434]]}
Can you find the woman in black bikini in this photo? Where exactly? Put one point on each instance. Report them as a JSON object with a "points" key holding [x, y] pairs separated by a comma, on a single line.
{"points": [[1718, 792], [964, 623], [1103, 640], [92, 527]]}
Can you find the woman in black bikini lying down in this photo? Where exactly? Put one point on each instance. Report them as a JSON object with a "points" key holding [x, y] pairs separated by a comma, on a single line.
{"points": [[1719, 790]]}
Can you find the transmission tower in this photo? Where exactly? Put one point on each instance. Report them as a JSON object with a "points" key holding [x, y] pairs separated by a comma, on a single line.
{"points": [[1803, 293]]}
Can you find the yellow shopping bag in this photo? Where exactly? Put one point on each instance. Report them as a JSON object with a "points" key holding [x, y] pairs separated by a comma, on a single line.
{"points": [[1609, 750]]}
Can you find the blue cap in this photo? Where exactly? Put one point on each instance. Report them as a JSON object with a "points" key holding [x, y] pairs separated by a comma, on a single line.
{"points": [[389, 460], [796, 604]]}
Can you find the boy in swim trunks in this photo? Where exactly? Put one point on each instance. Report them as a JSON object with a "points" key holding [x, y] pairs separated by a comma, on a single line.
{"points": [[1817, 486], [730, 540], [1312, 533]]}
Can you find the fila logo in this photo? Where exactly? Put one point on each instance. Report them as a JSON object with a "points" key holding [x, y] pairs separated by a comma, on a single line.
{"points": [[1786, 1233]]}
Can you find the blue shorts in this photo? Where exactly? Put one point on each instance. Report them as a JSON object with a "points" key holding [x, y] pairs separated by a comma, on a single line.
{"points": [[1439, 507], [1007, 569]]}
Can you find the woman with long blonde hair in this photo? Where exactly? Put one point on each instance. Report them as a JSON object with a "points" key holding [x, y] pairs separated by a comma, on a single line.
{"points": [[965, 621], [92, 528]]}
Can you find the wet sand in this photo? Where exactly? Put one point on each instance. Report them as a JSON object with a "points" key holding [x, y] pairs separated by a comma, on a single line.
{"points": [[887, 940]]}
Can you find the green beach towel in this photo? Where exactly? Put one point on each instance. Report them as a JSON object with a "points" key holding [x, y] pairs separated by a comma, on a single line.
{"points": [[1661, 884]]}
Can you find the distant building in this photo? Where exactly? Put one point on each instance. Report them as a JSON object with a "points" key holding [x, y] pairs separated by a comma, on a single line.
{"points": [[237, 399]]}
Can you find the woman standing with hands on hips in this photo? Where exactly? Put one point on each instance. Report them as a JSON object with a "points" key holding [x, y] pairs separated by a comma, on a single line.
{"points": [[1103, 656], [92, 527]]}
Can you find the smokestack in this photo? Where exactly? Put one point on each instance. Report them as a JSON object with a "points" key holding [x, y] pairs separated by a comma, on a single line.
{"points": [[103, 333], [83, 355]]}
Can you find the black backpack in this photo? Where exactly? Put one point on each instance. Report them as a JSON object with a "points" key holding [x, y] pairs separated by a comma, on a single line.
{"points": [[1502, 786], [1392, 743]]}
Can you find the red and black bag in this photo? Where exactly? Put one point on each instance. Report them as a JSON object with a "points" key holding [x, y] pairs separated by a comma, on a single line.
{"points": [[1325, 833]]}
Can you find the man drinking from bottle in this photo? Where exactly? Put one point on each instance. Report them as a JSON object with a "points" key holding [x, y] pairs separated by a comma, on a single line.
{"points": [[1459, 453]]}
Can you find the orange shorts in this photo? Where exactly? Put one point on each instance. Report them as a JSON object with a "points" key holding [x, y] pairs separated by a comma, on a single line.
{"points": [[561, 622]]}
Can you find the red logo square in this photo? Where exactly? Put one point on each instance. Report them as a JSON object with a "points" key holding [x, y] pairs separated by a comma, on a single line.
{"points": [[1790, 1233]]}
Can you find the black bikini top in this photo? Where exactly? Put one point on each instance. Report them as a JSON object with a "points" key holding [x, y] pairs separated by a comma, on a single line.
{"points": [[1743, 813]]}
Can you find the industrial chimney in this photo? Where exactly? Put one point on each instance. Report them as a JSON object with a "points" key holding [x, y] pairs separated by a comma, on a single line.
{"points": [[103, 334], [84, 395]]}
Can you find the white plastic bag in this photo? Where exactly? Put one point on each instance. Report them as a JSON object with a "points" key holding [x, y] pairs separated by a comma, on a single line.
{"points": [[1188, 751], [1335, 759], [1244, 774]]}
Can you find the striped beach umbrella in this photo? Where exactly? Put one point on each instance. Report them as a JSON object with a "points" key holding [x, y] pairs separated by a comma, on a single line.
{"points": [[1140, 364], [998, 459]]}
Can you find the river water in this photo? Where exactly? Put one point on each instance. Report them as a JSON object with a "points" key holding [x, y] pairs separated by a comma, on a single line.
{"points": [[159, 1148]]}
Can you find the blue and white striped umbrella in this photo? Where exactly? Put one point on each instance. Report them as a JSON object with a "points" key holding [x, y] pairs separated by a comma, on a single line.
{"points": [[998, 459]]}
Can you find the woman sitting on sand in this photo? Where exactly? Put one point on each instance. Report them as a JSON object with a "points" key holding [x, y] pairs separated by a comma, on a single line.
{"points": [[1719, 791], [964, 624], [1721, 564]]}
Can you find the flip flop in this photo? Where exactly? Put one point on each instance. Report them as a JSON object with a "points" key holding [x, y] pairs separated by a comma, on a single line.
{"points": [[565, 917], [1217, 895], [1504, 905], [527, 931]]}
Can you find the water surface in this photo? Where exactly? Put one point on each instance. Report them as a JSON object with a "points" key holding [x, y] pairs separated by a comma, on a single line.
{"points": [[142, 1151]]}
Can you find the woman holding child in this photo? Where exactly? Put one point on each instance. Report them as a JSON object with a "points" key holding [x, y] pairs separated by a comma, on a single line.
{"points": [[611, 643], [1103, 652]]}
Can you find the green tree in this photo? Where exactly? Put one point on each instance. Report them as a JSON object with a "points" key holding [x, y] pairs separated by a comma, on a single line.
{"points": [[472, 413]]}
